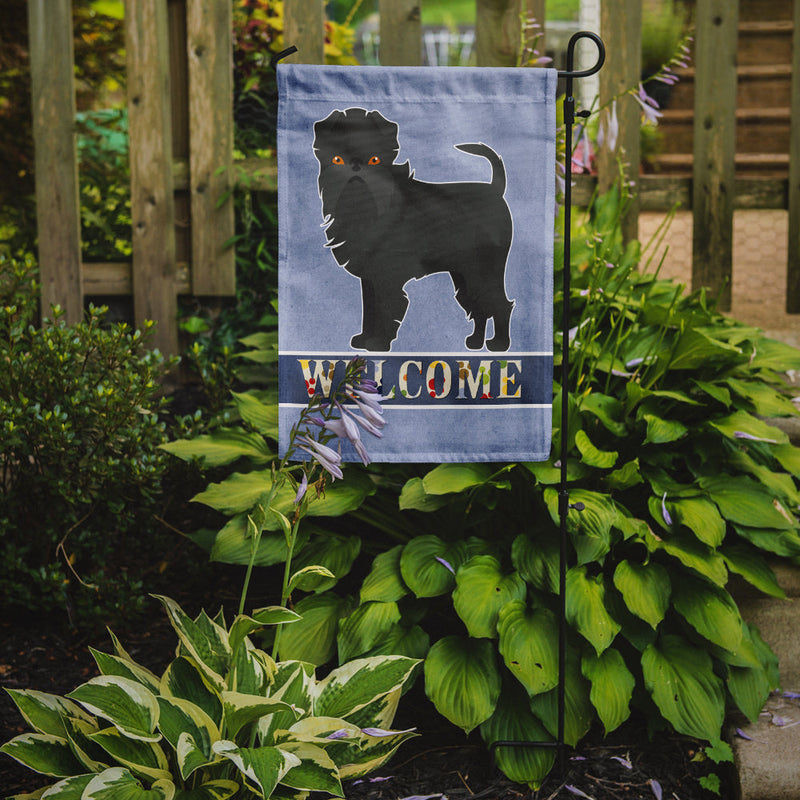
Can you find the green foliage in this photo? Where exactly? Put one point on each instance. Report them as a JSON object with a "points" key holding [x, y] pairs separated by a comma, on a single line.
{"points": [[79, 430], [223, 717]]}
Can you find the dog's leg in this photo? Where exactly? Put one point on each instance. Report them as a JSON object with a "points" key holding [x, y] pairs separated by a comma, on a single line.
{"points": [[475, 340], [362, 340], [383, 309], [502, 322]]}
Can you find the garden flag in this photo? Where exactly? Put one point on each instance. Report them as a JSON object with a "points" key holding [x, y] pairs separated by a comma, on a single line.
{"points": [[416, 230]]}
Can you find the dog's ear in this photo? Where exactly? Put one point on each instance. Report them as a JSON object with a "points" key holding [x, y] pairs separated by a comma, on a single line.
{"points": [[330, 123], [386, 129]]}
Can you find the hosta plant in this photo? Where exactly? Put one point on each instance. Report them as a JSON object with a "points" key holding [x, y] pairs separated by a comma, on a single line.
{"points": [[223, 721]]}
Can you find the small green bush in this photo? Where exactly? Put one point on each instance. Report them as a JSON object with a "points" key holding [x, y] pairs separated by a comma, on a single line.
{"points": [[79, 464]]}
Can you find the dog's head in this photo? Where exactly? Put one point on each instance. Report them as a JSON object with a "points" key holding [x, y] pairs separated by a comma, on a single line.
{"points": [[356, 150]]}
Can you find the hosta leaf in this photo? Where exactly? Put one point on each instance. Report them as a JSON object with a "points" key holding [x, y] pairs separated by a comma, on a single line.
{"points": [[233, 544], [316, 771], [788, 455], [190, 756], [44, 712], [414, 497], [126, 704], [313, 638], [182, 679], [424, 565], [68, 789], [513, 721], [591, 455], [612, 686], [578, 710], [294, 684], [385, 581], [692, 553], [264, 766], [448, 478], [369, 754], [646, 589], [586, 608], [462, 680], [237, 493], [44, 753], [365, 627], [335, 553], [117, 783], [481, 591], [125, 668], [767, 401], [663, 431], [597, 517], [259, 415], [241, 709], [244, 625], [745, 502], [749, 688], [774, 355], [683, 685], [223, 446], [399, 640], [741, 422], [212, 790], [701, 517], [697, 349], [145, 759], [782, 543], [608, 410], [709, 610], [625, 477], [536, 560], [529, 645], [178, 716], [354, 685], [746, 561]]}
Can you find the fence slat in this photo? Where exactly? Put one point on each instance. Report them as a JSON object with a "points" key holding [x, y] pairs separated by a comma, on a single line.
{"points": [[793, 266], [152, 201], [401, 33], [56, 164], [621, 28], [713, 173], [210, 54], [498, 30], [304, 27]]}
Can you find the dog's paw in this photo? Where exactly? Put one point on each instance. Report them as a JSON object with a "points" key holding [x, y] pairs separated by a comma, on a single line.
{"points": [[363, 341], [474, 341], [498, 344]]}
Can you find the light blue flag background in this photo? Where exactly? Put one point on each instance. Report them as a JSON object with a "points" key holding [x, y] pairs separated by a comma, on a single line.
{"points": [[450, 420]]}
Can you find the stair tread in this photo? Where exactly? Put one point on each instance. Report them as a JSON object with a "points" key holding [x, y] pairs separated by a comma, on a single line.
{"points": [[744, 159], [766, 26], [777, 113]]}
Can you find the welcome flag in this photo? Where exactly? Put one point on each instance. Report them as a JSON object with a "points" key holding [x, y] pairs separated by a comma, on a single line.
{"points": [[416, 224]]}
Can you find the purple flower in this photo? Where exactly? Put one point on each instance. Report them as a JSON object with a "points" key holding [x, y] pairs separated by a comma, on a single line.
{"points": [[342, 733], [608, 132], [745, 435], [655, 786], [649, 106], [380, 732], [742, 735], [352, 434], [664, 512], [624, 761], [301, 489], [445, 563], [327, 458], [577, 792]]}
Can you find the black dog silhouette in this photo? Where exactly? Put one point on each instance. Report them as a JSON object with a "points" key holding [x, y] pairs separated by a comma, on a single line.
{"points": [[386, 227]]}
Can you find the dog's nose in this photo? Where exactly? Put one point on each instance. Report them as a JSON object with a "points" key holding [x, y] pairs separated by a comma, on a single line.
{"points": [[355, 164]]}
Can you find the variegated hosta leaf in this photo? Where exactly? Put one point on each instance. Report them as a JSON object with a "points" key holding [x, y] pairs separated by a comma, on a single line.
{"points": [[242, 709], [183, 679], [683, 685], [385, 581], [323, 731], [612, 686], [481, 591], [204, 641], [586, 608], [365, 627], [45, 712], [179, 718], [212, 790], [125, 668], [68, 789], [146, 759], [244, 625], [117, 783], [646, 589], [513, 721], [78, 733], [462, 680], [316, 771], [358, 683], [44, 753], [373, 752], [529, 645], [263, 766], [126, 704], [252, 670]]}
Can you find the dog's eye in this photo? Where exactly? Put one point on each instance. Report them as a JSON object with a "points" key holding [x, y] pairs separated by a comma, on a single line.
{"points": [[374, 161], [337, 160]]}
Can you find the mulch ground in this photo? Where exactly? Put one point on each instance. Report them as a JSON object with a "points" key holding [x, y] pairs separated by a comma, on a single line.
{"points": [[44, 654]]}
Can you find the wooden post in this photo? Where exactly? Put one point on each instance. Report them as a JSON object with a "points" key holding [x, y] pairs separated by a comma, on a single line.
{"points": [[152, 202], [56, 160], [499, 29], [401, 33], [210, 53], [304, 27], [793, 267], [714, 146], [621, 28]]}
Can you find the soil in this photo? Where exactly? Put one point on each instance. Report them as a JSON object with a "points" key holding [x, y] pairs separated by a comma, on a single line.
{"points": [[45, 654]]}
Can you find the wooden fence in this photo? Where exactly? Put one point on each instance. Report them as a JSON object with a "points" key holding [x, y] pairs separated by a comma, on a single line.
{"points": [[181, 141]]}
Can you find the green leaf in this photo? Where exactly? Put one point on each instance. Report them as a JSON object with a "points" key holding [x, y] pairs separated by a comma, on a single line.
{"points": [[590, 454], [612, 687], [701, 517], [774, 355], [663, 431], [586, 608], [385, 581], [746, 561], [126, 704], [529, 645], [537, 560], [182, 679], [782, 543], [223, 446], [683, 685], [241, 709], [448, 478], [749, 687], [742, 422], [789, 457], [243, 625], [696, 350], [313, 638], [212, 790], [334, 553], [512, 721], [709, 609], [117, 783], [691, 553], [316, 772], [178, 717], [125, 668], [608, 410], [625, 477], [44, 712], [422, 567], [68, 789], [719, 393], [766, 400], [234, 544], [238, 492], [743, 501], [462, 680], [145, 759], [646, 589], [44, 753], [481, 591], [264, 766], [261, 416], [365, 627], [399, 640], [414, 497]]}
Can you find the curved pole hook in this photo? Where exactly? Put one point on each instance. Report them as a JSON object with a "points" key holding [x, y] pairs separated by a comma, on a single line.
{"points": [[585, 73]]}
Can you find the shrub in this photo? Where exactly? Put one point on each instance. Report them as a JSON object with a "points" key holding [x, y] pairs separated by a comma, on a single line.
{"points": [[79, 430]]}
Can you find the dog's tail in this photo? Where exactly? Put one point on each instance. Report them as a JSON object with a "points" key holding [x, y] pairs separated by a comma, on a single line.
{"points": [[498, 170]]}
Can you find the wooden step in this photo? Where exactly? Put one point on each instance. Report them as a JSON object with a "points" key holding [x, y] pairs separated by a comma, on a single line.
{"points": [[754, 10], [767, 165], [765, 42]]}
